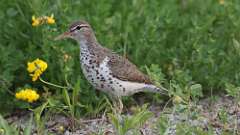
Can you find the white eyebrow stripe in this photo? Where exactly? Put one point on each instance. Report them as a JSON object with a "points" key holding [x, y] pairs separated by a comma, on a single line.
{"points": [[72, 29], [81, 25]]}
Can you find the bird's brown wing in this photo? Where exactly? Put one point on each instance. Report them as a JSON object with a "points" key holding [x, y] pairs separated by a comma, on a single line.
{"points": [[121, 68], [125, 70]]}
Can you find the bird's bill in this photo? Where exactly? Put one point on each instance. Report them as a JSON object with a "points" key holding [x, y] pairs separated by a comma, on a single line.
{"points": [[63, 36]]}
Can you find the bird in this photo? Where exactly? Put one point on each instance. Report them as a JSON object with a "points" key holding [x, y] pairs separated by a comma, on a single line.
{"points": [[106, 70]]}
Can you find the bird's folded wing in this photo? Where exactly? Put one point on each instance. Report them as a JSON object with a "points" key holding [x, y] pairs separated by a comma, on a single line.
{"points": [[125, 70]]}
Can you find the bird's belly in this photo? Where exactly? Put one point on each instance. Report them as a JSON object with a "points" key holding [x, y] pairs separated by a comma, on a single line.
{"points": [[102, 79], [111, 85]]}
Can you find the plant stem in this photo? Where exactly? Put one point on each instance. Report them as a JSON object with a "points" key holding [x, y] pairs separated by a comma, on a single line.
{"points": [[10, 92], [55, 85]]}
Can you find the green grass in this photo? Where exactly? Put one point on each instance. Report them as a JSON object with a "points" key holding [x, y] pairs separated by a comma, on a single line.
{"points": [[188, 46], [124, 124]]}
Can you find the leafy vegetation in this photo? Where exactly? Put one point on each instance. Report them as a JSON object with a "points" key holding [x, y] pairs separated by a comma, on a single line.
{"points": [[190, 47], [123, 124], [7, 129]]}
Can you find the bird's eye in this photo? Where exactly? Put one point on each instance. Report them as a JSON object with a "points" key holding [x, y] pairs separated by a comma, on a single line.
{"points": [[78, 28]]}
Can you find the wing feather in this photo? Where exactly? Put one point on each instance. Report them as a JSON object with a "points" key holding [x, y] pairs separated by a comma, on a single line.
{"points": [[123, 69]]}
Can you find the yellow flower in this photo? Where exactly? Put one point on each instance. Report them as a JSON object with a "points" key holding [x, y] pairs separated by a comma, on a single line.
{"points": [[36, 68], [61, 128], [35, 21], [177, 99], [1, 131], [28, 95], [50, 20], [221, 2], [42, 20]]}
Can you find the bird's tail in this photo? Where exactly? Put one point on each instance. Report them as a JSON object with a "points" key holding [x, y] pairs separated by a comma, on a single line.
{"points": [[155, 89]]}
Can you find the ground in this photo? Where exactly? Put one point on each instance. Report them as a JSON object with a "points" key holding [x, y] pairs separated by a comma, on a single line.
{"points": [[220, 114]]}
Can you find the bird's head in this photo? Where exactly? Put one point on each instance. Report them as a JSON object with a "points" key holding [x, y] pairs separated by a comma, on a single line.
{"points": [[78, 31]]}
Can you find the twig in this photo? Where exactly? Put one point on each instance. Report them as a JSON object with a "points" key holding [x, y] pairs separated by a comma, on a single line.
{"points": [[91, 120], [55, 85], [166, 104]]}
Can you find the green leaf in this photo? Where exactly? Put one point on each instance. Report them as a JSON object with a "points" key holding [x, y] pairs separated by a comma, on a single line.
{"points": [[7, 129], [76, 92], [38, 112], [196, 90], [114, 120], [28, 129], [66, 97], [236, 45], [123, 123]]}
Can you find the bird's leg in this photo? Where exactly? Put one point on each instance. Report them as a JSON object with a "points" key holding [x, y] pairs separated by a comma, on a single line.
{"points": [[114, 103], [117, 105], [114, 109], [120, 105]]}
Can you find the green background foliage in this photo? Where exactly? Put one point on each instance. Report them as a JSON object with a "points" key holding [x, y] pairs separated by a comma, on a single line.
{"points": [[192, 41]]}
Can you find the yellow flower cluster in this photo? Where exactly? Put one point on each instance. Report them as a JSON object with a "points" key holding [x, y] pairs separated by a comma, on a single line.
{"points": [[221, 2], [36, 68], [28, 95], [42, 20]]}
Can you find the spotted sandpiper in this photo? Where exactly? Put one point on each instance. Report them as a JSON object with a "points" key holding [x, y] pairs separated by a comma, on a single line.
{"points": [[104, 69]]}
